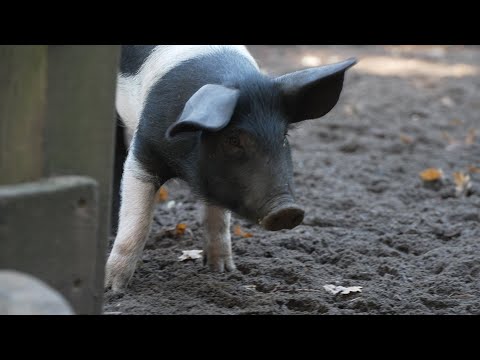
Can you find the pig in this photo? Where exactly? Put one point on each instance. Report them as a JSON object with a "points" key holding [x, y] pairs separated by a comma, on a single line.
{"points": [[208, 115]]}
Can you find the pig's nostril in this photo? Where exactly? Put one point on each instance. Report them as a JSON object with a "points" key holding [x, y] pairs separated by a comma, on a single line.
{"points": [[296, 220], [284, 218]]}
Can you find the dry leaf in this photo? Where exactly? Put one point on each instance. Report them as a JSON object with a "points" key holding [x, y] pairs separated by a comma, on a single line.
{"points": [[415, 117], [190, 255], [431, 174], [471, 136], [348, 110], [447, 101], [446, 136], [472, 169], [162, 195], [462, 182], [406, 139], [456, 122], [239, 232], [180, 229], [333, 289], [177, 231]]}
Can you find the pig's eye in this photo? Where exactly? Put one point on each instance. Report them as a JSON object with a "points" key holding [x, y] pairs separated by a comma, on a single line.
{"points": [[233, 146], [233, 141]]}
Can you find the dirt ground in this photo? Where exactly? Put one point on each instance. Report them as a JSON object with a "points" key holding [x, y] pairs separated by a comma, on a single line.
{"points": [[370, 220]]}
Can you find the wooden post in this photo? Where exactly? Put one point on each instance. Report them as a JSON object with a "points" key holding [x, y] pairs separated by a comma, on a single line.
{"points": [[81, 126], [23, 80], [57, 118], [48, 229]]}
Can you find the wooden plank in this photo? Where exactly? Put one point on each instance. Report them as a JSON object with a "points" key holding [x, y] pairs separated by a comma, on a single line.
{"points": [[49, 229], [81, 127], [23, 80]]}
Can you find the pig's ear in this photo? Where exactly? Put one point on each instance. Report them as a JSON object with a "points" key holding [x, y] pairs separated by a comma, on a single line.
{"points": [[312, 93], [210, 108]]}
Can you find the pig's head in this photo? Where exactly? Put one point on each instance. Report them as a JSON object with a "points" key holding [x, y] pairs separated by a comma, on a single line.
{"points": [[244, 161]]}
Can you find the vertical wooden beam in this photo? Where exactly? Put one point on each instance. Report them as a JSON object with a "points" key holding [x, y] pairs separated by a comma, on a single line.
{"points": [[81, 127], [23, 81]]}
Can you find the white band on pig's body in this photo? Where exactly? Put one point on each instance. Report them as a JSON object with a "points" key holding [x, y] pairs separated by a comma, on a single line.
{"points": [[132, 91]]}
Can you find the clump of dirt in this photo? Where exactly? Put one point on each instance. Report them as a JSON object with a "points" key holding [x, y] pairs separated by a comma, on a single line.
{"points": [[370, 220]]}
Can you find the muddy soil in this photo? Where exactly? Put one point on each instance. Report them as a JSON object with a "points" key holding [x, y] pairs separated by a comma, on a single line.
{"points": [[370, 220]]}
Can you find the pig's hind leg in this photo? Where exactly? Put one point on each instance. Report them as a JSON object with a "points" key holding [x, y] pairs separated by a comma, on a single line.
{"points": [[217, 243], [135, 220]]}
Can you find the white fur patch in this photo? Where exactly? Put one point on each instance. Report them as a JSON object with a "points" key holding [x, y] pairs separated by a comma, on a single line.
{"points": [[217, 246], [136, 215], [132, 91]]}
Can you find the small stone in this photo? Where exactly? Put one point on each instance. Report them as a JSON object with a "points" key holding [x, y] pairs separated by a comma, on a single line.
{"points": [[22, 294]]}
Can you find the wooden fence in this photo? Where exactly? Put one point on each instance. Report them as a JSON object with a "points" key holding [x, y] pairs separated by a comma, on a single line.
{"points": [[57, 131]]}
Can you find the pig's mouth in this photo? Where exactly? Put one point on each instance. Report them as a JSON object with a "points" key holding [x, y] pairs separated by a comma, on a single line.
{"points": [[285, 217]]}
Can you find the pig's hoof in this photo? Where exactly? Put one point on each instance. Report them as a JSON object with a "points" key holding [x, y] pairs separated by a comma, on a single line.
{"points": [[118, 272], [219, 263]]}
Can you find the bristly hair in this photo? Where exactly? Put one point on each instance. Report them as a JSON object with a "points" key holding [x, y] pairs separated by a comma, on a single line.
{"points": [[259, 110], [293, 126]]}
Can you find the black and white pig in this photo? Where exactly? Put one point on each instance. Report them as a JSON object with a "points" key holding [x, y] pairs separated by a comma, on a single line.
{"points": [[206, 114]]}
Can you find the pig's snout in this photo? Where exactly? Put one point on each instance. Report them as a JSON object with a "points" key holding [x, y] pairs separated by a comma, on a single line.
{"points": [[285, 217]]}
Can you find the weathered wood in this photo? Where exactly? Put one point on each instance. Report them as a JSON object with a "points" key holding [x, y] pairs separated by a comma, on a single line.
{"points": [[23, 81], [81, 127], [49, 229]]}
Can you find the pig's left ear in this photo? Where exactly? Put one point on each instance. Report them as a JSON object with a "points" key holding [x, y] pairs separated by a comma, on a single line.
{"points": [[312, 93], [210, 109]]}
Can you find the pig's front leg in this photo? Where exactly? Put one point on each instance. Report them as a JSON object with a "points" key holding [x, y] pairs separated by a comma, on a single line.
{"points": [[136, 215], [217, 247]]}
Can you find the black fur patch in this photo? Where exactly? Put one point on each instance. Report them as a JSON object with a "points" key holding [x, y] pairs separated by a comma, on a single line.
{"points": [[165, 103], [133, 57]]}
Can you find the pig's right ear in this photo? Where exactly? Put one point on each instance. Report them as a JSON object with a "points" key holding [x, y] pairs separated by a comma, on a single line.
{"points": [[210, 109]]}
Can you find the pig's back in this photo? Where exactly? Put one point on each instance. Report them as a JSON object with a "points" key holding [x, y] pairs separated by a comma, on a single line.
{"points": [[143, 66]]}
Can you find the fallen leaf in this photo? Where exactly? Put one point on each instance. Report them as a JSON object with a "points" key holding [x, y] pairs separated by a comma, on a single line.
{"points": [[348, 110], [447, 101], [462, 182], [333, 289], [176, 231], [472, 169], [453, 146], [162, 195], [471, 136], [456, 122], [446, 136], [250, 287], [180, 229], [406, 139], [415, 117], [431, 174], [239, 232], [190, 255]]}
